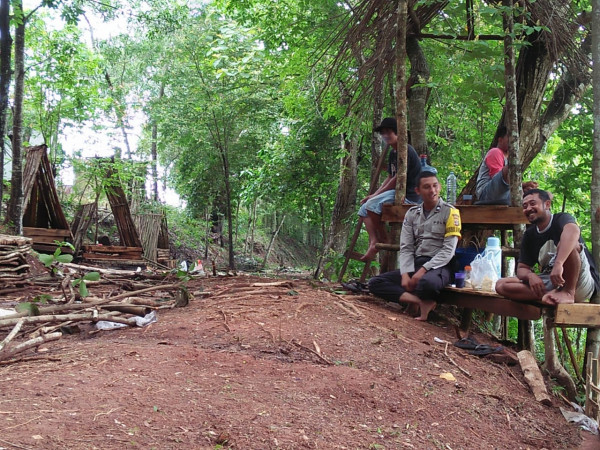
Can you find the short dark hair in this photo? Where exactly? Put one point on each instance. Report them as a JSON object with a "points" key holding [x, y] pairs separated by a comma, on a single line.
{"points": [[544, 195], [425, 174], [501, 131]]}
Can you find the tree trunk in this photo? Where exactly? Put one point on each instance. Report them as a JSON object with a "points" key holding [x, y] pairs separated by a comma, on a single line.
{"points": [[400, 94], [225, 161], [15, 207], [537, 124], [417, 94], [511, 108], [593, 335], [120, 113], [154, 150], [5, 75], [271, 242], [552, 364], [323, 240], [378, 103], [345, 200], [400, 88]]}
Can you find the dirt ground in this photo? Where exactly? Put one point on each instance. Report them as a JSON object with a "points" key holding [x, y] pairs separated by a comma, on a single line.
{"points": [[273, 367]]}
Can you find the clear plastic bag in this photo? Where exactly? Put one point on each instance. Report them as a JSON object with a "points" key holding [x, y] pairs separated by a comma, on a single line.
{"points": [[483, 273]]}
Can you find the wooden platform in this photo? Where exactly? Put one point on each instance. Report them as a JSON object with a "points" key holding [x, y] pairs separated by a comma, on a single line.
{"points": [[498, 217], [490, 302], [44, 238], [577, 315], [586, 315]]}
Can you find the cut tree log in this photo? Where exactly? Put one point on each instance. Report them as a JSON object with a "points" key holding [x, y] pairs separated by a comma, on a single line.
{"points": [[100, 270], [29, 344], [534, 377], [73, 317], [11, 335], [94, 301]]}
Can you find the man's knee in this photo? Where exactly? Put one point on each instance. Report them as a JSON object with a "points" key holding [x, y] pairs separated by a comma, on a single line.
{"points": [[379, 284], [501, 286], [429, 287]]}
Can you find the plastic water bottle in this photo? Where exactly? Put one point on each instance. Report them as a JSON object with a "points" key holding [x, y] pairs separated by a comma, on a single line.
{"points": [[426, 167], [494, 253], [451, 188]]}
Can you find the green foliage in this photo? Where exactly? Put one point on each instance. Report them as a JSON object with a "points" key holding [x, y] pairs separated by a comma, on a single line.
{"points": [[27, 307], [52, 260], [81, 282], [42, 298]]}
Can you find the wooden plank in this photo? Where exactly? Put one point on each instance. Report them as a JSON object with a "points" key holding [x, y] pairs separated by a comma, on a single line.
{"points": [[578, 315], [490, 302], [123, 256], [118, 262], [48, 239], [50, 248], [469, 214], [110, 249], [32, 232]]}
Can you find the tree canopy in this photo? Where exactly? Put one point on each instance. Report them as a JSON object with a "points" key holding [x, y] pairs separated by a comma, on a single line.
{"points": [[242, 103]]}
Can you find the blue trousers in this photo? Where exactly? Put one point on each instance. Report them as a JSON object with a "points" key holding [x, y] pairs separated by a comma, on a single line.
{"points": [[389, 285]]}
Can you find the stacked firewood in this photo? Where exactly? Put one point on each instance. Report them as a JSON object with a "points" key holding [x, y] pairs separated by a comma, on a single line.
{"points": [[14, 270], [32, 324]]}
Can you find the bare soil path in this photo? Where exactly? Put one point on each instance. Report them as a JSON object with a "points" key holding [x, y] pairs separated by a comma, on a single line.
{"points": [[271, 367]]}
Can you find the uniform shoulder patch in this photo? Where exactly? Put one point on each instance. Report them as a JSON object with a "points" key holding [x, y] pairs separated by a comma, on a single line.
{"points": [[453, 225]]}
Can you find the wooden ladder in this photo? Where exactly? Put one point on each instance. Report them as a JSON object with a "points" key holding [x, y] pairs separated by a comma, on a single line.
{"points": [[350, 253]]}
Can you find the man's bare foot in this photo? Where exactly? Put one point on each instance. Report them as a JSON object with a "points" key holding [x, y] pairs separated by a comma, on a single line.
{"points": [[556, 296], [370, 255], [426, 307]]}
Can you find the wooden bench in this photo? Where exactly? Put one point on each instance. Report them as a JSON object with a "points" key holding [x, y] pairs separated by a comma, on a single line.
{"points": [[498, 217], [491, 302], [586, 315]]}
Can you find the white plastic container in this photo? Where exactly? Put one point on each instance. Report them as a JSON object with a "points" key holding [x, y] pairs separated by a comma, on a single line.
{"points": [[494, 253]]}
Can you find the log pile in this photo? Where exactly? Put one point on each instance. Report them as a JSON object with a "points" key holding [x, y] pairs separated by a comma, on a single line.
{"points": [[128, 234], [84, 217], [14, 270], [44, 239], [113, 254], [43, 219], [164, 258], [148, 226], [22, 331]]}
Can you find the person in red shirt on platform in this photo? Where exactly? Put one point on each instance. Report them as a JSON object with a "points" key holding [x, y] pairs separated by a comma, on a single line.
{"points": [[492, 181]]}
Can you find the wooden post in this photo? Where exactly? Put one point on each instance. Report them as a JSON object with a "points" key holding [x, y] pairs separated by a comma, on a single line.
{"points": [[591, 387], [400, 90]]}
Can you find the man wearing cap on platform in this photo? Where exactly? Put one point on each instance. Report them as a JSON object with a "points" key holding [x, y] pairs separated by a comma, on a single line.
{"points": [[371, 207]]}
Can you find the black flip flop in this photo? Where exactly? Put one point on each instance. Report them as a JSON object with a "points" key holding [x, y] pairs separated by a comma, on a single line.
{"points": [[467, 343], [356, 287], [351, 287], [483, 349]]}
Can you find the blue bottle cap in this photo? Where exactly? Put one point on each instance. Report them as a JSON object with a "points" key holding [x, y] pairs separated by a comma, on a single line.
{"points": [[493, 242]]}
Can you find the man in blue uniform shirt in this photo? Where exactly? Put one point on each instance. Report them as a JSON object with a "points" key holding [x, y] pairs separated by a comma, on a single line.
{"points": [[429, 236]]}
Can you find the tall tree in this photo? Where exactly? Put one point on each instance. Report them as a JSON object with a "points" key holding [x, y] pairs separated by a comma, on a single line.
{"points": [[417, 94], [5, 76], [15, 206], [593, 336]]}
